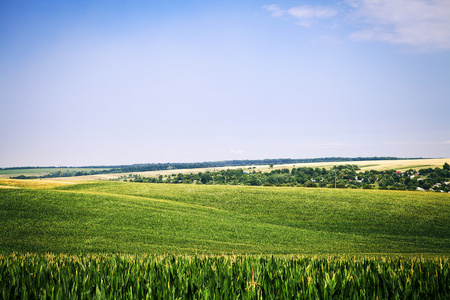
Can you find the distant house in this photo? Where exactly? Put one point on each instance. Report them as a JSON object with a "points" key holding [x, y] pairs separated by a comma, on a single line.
{"points": [[420, 189]]}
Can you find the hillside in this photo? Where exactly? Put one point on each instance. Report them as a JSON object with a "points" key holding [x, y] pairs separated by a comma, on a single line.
{"points": [[187, 219]]}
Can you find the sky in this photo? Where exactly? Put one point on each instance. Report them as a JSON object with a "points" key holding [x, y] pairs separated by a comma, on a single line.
{"points": [[86, 83]]}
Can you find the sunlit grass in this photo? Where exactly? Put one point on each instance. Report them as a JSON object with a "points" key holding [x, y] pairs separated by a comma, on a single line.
{"points": [[34, 183], [192, 219], [157, 241]]}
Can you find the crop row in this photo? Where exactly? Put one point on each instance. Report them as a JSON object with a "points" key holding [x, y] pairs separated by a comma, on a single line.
{"points": [[48, 276]]}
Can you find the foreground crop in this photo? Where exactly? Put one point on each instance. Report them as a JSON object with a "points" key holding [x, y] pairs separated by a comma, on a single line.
{"points": [[221, 277]]}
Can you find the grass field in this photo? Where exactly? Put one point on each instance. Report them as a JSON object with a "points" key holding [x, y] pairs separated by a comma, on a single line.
{"points": [[122, 240], [118, 217]]}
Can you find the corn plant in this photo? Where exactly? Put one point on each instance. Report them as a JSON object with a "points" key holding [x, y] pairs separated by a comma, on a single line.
{"points": [[105, 276]]}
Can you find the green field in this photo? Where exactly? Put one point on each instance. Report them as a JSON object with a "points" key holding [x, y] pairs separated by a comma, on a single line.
{"points": [[49, 276], [123, 240], [119, 217]]}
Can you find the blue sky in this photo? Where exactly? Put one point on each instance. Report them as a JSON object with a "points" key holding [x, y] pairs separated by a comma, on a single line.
{"points": [[122, 82]]}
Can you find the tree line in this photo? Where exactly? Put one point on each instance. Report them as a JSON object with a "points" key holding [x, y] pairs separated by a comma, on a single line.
{"points": [[341, 176], [96, 170]]}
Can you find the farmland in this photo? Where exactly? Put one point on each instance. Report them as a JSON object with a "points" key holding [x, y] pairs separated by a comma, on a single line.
{"points": [[379, 165], [234, 241], [221, 277], [190, 219]]}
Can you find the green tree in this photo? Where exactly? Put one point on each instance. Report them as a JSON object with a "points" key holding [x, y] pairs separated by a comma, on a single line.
{"points": [[205, 178]]}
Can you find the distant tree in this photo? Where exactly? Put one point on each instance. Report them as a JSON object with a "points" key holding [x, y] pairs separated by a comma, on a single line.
{"points": [[253, 180], [310, 184], [446, 166], [341, 185], [206, 177], [390, 180], [426, 185]]}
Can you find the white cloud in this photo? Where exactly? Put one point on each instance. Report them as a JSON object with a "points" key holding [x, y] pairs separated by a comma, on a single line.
{"points": [[305, 14], [446, 142], [275, 9], [423, 23], [311, 12]]}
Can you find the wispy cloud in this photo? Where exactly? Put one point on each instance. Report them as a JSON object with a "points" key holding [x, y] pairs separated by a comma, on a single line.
{"points": [[275, 9], [305, 14], [415, 22], [446, 142], [311, 12], [421, 23]]}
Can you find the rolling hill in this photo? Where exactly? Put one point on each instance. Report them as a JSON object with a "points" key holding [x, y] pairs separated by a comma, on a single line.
{"points": [[120, 217]]}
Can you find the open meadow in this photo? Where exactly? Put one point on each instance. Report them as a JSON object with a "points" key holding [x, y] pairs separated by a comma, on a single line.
{"points": [[190, 219], [259, 242]]}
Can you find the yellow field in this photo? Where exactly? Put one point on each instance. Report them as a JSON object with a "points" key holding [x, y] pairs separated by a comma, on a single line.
{"points": [[32, 183], [379, 165], [403, 164]]}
